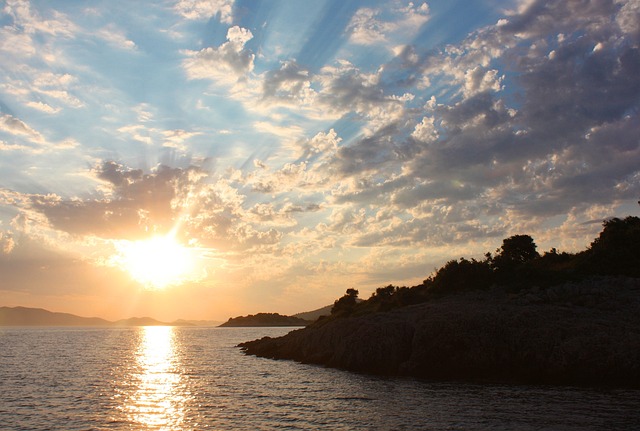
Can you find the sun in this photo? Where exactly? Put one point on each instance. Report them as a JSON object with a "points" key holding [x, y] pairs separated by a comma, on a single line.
{"points": [[157, 262]]}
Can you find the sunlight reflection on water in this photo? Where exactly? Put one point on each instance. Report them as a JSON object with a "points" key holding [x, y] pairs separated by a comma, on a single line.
{"points": [[159, 399], [191, 378]]}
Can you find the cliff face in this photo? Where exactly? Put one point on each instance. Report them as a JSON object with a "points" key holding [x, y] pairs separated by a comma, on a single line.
{"points": [[586, 333]]}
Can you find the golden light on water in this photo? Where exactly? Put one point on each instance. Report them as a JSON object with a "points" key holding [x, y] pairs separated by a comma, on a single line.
{"points": [[159, 400]]}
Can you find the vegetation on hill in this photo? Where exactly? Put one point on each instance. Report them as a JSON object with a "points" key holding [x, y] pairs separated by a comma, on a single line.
{"points": [[515, 266], [517, 316], [265, 319]]}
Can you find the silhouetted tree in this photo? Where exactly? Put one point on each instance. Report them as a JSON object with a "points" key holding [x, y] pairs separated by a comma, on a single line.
{"points": [[463, 274], [344, 306], [616, 251], [384, 298], [515, 251]]}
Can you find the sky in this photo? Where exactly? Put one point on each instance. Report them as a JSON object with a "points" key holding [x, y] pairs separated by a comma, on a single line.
{"points": [[204, 159]]}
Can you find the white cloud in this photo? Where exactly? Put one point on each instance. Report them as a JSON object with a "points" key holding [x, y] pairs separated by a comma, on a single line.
{"points": [[478, 79], [425, 131], [20, 148], [43, 107], [15, 126], [57, 25], [368, 27], [322, 143], [206, 9], [116, 37], [176, 138], [289, 133], [226, 64]]}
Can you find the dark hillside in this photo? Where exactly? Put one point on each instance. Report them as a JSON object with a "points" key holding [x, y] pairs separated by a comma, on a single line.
{"points": [[516, 316]]}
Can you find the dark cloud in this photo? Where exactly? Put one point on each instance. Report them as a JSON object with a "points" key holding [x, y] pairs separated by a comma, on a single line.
{"points": [[575, 116], [137, 204], [372, 153], [560, 135], [286, 83]]}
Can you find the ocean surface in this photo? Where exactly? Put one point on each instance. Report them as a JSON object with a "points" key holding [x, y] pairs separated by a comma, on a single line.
{"points": [[177, 378]]}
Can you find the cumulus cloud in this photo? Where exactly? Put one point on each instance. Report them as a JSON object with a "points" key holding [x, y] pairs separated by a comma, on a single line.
{"points": [[425, 130], [289, 176], [537, 121], [345, 88], [136, 204], [291, 84], [478, 80], [570, 142], [206, 9], [325, 144], [226, 64]]}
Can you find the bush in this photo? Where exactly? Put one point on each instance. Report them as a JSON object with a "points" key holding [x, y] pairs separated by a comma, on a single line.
{"points": [[460, 275]]}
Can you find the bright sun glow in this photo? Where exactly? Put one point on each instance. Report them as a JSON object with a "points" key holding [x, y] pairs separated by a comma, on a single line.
{"points": [[157, 262]]}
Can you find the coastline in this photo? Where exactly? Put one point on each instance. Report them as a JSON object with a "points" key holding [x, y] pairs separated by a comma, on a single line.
{"points": [[584, 333]]}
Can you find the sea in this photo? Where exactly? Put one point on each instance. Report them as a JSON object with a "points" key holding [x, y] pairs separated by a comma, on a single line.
{"points": [[195, 378]]}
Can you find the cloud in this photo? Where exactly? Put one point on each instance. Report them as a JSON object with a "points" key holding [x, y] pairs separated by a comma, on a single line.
{"points": [[6, 242], [177, 138], [478, 80], [291, 175], [136, 204], [17, 127], [291, 84], [32, 23], [425, 130], [285, 132], [323, 144], [563, 139], [205, 9], [226, 64], [628, 18], [116, 37], [345, 89], [43, 107], [367, 27]]}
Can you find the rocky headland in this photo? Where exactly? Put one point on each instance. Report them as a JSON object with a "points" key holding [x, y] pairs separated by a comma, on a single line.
{"points": [[576, 333], [264, 319]]}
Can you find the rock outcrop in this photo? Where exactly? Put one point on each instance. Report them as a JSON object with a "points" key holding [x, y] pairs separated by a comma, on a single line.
{"points": [[585, 333], [264, 319]]}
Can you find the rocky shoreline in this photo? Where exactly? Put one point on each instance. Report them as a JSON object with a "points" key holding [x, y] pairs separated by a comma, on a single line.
{"points": [[583, 333]]}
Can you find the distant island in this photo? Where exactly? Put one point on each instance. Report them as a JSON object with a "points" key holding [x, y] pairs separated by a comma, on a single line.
{"points": [[23, 316], [515, 316], [264, 319]]}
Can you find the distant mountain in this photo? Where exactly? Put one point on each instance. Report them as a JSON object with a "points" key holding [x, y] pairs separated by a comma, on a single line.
{"points": [[265, 319], [188, 322], [312, 316], [23, 316], [148, 321]]}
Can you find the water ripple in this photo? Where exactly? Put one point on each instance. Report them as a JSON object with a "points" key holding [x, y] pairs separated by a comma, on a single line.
{"points": [[165, 378]]}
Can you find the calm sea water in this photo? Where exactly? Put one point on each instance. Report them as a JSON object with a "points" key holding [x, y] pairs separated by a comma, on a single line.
{"points": [[164, 378]]}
